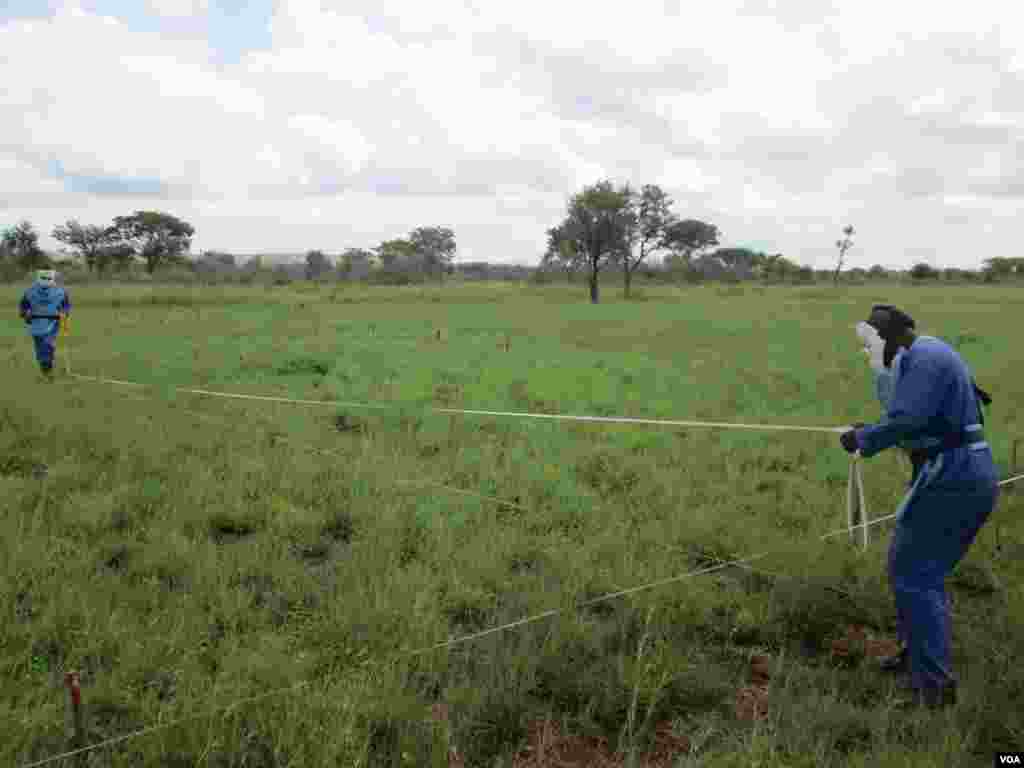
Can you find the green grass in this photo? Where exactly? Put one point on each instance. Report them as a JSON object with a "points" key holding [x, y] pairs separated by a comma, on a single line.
{"points": [[186, 552]]}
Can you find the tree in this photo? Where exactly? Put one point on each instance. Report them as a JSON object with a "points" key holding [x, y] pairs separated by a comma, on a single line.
{"points": [[87, 241], [120, 255], [777, 268], [435, 247], [647, 220], [953, 273], [355, 263], [562, 252], [740, 261], [396, 253], [317, 265], [843, 246], [21, 242], [215, 262], [877, 271], [688, 238], [922, 271], [598, 227], [157, 237], [1003, 266]]}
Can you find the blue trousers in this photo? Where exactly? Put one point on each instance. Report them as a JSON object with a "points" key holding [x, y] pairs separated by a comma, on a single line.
{"points": [[937, 528], [45, 347]]}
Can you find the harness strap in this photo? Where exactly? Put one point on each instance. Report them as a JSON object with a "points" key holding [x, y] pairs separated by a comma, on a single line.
{"points": [[973, 436]]}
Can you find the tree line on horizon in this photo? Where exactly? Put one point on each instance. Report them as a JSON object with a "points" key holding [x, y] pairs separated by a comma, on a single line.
{"points": [[605, 228]]}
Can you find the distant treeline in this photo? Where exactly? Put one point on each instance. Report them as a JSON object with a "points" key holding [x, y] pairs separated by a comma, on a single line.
{"points": [[618, 230]]}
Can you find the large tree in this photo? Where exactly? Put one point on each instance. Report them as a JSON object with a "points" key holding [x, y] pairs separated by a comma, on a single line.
{"points": [[435, 247], [86, 240], [159, 238], [21, 242], [119, 255], [397, 253], [317, 265], [598, 226], [650, 220], [688, 238]]}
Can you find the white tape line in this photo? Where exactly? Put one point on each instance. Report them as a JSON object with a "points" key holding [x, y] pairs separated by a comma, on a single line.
{"points": [[606, 419]]}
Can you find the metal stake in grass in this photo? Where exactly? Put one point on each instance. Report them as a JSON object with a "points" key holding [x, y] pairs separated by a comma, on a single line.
{"points": [[67, 344], [72, 681], [1014, 470]]}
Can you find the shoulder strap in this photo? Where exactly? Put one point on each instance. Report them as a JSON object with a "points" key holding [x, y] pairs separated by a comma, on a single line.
{"points": [[984, 397]]}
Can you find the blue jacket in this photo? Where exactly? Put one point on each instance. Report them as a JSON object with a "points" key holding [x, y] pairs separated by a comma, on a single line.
{"points": [[45, 302], [885, 384], [933, 395]]}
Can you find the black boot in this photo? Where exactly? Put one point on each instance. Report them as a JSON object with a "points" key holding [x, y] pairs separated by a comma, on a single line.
{"points": [[898, 664], [932, 698]]}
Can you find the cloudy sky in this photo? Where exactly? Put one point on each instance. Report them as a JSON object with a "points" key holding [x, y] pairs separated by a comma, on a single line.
{"points": [[286, 125]]}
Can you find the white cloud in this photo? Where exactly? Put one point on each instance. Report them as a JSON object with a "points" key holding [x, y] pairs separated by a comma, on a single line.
{"points": [[779, 122], [178, 8]]}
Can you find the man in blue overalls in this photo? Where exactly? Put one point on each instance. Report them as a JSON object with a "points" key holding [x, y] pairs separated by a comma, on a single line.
{"points": [[934, 411], [41, 308]]}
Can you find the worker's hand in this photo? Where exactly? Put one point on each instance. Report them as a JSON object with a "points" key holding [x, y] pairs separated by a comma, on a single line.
{"points": [[849, 441]]}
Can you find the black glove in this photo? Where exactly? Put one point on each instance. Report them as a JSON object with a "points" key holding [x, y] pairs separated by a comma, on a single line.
{"points": [[849, 441]]}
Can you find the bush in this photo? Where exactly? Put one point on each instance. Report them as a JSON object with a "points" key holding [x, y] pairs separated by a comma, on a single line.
{"points": [[10, 272], [388, 277], [804, 276], [542, 277], [922, 271]]}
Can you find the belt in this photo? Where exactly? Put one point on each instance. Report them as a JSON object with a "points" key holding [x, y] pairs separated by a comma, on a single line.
{"points": [[46, 317], [971, 436]]}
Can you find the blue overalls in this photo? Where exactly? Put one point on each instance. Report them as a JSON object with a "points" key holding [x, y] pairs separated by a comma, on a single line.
{"points": [[950, 497], [46, 303]]}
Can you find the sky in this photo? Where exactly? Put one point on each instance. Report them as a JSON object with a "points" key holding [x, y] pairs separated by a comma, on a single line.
{"points": [[288, 125]]}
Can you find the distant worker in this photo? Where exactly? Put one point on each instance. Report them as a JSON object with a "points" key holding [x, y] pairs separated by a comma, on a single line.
{"points": [[45, 307], [933, 408]]}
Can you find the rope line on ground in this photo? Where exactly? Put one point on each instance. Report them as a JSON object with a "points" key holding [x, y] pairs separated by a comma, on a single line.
{"points": [[437, 646], [494, 630], [604, 419], [399, 481]]}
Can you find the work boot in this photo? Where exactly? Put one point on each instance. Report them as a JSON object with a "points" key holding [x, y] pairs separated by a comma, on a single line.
{"points": [[932, 697], [898, 664]]}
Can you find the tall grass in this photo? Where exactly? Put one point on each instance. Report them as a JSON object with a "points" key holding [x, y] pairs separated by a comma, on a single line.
{"points": [[186, 552]]}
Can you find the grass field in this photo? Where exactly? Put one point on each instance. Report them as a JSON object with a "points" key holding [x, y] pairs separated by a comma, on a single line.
{"points": [[187, 552]]}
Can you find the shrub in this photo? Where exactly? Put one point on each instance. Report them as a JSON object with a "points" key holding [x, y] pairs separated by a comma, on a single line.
{"points": [[922, 271]]}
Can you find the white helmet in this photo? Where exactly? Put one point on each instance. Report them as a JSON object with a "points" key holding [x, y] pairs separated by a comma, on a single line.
{"points": [[46, 276]]}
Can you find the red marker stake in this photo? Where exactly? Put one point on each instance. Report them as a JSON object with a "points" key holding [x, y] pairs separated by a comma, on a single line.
{"points": [[71, 680]]}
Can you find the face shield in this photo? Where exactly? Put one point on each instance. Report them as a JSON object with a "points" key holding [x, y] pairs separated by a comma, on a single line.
{"points": [[874, 346]]}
